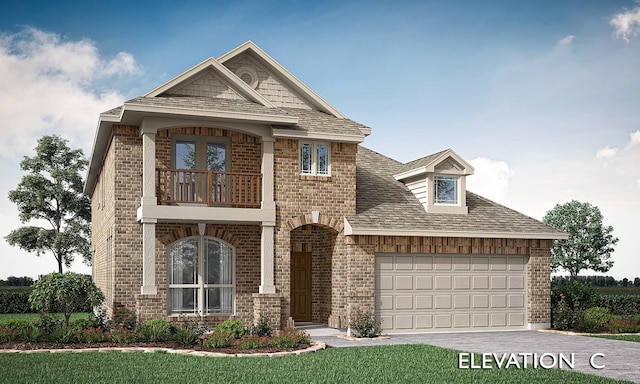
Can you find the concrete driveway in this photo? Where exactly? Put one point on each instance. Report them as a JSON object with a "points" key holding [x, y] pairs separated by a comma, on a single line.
{"points": [[621, 359]]}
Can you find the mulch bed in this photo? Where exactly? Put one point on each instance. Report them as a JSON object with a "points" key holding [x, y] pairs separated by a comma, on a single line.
{"points": [[229, 350]]}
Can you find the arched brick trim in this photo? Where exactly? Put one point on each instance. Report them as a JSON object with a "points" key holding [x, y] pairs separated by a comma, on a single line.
{"points": [[324, 220], [192, 230]]}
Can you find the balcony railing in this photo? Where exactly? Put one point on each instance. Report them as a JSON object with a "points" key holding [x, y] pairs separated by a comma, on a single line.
{"points": [[185, 186]]}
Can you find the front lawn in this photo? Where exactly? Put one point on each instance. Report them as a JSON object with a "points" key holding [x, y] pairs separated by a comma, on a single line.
{"points": [[635, 338], [381, 364]]}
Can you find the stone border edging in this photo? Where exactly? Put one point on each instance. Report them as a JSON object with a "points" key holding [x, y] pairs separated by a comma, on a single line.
{"points": [[572, 333], [314, 347]]}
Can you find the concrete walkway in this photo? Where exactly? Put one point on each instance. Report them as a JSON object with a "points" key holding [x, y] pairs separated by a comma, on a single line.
{"points": [[621, 359]]}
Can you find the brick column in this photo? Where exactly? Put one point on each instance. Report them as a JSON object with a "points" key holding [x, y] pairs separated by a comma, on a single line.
{"points": [[539, 289]]}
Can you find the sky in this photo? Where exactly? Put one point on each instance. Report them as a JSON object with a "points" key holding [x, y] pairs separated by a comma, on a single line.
{"points": [[542, 98]]}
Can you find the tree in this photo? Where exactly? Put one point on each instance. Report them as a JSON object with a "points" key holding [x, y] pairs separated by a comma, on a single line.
{"points": [[590, 243], [51, 191], [68, 292]]}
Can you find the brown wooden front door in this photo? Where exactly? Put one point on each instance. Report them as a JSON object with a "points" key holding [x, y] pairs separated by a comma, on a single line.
{"points": [[301, 286]]}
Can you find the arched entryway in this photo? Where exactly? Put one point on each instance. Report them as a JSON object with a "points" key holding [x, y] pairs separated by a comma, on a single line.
{"points": [[313, 249]]}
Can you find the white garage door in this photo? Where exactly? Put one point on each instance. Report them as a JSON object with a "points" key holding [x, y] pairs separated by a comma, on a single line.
{"points": [[432, 293]]}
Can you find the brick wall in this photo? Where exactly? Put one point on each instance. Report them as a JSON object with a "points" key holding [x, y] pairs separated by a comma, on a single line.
{"points": [[363, 248], [296, 197]]}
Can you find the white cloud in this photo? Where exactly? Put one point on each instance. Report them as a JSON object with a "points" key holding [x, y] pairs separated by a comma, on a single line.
{"points": [[635, 138], [627, 23], [490, 179], [46, 84], [606, 152], [46, 88], [566, 40]]}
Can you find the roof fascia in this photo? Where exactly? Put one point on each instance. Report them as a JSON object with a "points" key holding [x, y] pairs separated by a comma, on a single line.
{"points": [[289, 78], [233, 80], [224, 115], [349, 230], [293, 134]]}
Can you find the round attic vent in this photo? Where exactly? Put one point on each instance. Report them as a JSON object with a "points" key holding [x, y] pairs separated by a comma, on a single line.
{"points": [[248, 75]]}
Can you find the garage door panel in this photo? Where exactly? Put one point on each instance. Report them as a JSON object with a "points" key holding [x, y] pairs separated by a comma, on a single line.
{"points": [[443, 282], [436, 293], [404, 302], [404, 282]]}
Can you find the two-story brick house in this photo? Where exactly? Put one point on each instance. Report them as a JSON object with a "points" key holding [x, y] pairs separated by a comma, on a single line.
{"points": [[234, 190]]}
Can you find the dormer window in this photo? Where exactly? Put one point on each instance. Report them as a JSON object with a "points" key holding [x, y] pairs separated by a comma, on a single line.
{"points": [[438, 182], [445, 190]]}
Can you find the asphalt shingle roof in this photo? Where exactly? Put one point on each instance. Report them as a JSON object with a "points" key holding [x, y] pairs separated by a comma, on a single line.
{"points": [[385, 203], [309, 121]]}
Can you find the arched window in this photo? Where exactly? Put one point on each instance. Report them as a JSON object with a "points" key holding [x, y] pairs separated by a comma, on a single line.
{"points": [[201, 276]]}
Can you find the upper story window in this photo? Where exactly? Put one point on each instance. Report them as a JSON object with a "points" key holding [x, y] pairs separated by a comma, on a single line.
{"points": [[201, 276], [445, 190], [202, 153], [315, 158]]}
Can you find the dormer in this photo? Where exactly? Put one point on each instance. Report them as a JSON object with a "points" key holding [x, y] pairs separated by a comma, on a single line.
{"points": [[438, 181]]}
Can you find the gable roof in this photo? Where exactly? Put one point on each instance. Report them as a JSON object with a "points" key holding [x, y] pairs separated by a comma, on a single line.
{"points": [[261, 56], [429, 164], [385, 206]]}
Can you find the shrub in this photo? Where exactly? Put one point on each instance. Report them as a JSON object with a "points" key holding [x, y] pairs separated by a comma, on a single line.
{"points": [[47, 324], [123, 335], [624, 325], [594, 319], [156, 330], [623, 305], [261, 328], [235, 327], [123, 318], [81, 324], [8, 334], [68, 292], [27, 331], [15, 301], [92, 335], [190, 331], [365, 325], [218, 339], [568, 300], [289, 338], [252, 342]]}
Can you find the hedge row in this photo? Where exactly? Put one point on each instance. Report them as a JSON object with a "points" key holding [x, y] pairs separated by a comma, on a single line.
{"points": [[15, 302], [18, 302], [620, 304]]}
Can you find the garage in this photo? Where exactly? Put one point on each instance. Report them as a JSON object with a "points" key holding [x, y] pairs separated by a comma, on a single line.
{"points": [[444, 293]]}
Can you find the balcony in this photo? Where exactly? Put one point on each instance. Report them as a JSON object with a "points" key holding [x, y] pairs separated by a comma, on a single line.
{"points": [[209, 188]]}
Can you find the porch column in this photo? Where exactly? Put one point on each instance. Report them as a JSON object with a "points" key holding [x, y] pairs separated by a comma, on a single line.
{"points": [[148, 198], [149, 257], [148, 165], [266, 259], [267, 173]]}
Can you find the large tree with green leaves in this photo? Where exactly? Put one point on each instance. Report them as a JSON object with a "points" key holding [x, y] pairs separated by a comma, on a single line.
{"points": [[590, 243], [51, 193]]}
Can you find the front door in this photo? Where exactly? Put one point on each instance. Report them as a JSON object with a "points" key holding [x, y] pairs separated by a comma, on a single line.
{"points": [[301, 286]]}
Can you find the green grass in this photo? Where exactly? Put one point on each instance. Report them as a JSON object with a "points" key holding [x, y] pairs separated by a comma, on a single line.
{"points": [[381, 364], [30, 316], [635, 338]]}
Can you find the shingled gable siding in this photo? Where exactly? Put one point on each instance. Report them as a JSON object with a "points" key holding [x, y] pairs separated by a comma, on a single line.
{"points": [[114, 214], [296, 197], [364, 248]]}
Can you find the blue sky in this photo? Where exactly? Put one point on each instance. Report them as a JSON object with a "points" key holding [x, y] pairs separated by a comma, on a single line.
{"points": [[542, 97]]}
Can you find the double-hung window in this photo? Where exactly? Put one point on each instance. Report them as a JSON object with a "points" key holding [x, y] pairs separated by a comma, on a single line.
{"points": [[445, 190], [201, 276], [315, 158]]}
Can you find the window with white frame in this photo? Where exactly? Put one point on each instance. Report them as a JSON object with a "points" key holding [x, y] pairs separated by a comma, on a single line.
{"points": [[445, 190], [201, 276], [315, 158]]}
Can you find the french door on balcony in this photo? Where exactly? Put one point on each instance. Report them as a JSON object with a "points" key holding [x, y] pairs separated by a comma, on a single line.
{"points": [[192, 155]]}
